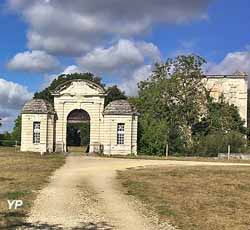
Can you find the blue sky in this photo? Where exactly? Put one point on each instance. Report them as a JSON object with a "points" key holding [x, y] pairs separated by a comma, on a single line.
{"points": [[120, 42]]}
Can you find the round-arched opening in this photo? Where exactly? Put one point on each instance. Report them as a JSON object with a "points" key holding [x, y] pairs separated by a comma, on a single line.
{"points": [[78, 131]]}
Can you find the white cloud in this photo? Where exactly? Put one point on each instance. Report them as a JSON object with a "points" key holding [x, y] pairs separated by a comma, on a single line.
{"points": [[185, 47], [123, 56], [8, 120], [68, 70], [126, 61], [130, 86], [12, 97], [71, 69], [61, 27], [33, 61], [235, 61]]}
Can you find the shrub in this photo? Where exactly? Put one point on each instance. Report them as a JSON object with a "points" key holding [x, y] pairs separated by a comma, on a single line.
{"points": [[213, 144]]}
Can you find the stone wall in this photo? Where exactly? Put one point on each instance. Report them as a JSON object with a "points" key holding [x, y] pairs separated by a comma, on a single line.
{"points": [[239, 156], [46, 132], [103, 128], [234, 89], [109, 137]]}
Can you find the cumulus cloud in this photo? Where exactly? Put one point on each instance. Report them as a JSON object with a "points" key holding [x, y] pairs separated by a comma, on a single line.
{"points": [[71, 69], [130, 60], [61, 27], [235, 61], [185, 47], [68, 70], [124, 56], [12, 97], [130, 86], [33, 61]]}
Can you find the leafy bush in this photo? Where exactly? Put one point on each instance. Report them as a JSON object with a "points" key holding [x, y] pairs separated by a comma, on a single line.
{"points": [[152, 136], [213, 144]]}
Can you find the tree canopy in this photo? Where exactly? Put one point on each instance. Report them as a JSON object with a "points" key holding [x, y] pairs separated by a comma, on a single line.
{"points": [[114, 93], [46, 93], [171, 99], [176, 109]]}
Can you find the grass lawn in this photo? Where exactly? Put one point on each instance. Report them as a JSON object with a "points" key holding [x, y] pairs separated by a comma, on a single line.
{"points": [[21, 176], [200, 197]]}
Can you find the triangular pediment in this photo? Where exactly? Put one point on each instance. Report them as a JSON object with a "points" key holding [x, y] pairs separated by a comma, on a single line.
{"points": [[79, 87]]}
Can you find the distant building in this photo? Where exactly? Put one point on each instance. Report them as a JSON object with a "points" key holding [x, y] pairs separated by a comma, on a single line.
{"points": [[234, 89], [113, 129]]}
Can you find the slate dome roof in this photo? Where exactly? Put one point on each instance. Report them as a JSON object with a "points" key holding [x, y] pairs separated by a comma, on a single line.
{"points": [[119, 107], [38, 106]]}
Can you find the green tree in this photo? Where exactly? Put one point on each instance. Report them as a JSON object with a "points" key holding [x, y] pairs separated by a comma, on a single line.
{"points": [[78, 134], [222, 126], [46, 94], [170, 102], [16, 133], [214, 143], [114, 93], [221, 117], [6, 139], [188, 92]]}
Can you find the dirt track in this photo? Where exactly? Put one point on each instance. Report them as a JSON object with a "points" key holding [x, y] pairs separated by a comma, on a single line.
{"points": [[84, 193]]}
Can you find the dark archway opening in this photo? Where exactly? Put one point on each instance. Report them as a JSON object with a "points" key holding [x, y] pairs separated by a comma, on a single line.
{"points": [[78, 131]]}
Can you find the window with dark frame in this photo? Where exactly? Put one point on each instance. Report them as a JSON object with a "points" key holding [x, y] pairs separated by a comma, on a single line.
{"points": [[120, 133], [36, 132]]}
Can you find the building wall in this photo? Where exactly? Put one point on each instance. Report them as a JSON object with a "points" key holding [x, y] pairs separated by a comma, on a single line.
{"points": [[27, 132], [234, 89], [109, 137], [103, 128], [134, 134], [79, 95], [51, 133]]}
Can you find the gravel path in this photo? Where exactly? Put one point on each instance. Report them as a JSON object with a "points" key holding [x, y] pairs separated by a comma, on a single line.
{"points": [[84, 194]]}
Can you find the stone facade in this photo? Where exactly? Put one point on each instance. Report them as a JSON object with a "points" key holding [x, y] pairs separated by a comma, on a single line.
{"points": [[85, 96], [41, 112], [234, 89]]}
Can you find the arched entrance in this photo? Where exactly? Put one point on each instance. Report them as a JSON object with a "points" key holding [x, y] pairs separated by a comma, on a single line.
{"points": [[78, 131]]}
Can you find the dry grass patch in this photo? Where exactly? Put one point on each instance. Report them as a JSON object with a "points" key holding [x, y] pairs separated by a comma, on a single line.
{"points": [[21, 176], [179, 158], [200, 198]]}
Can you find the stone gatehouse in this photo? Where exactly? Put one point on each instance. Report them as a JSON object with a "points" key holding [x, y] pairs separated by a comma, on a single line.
{"points": [[113, 129]]}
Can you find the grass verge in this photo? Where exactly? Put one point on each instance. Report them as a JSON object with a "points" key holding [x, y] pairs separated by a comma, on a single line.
{"points": [[21, 176], [194, 198], [179, 158]]}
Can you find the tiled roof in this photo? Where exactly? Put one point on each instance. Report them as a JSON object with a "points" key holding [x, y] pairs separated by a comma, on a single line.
{"points": [[37, 106], [119, 107]]}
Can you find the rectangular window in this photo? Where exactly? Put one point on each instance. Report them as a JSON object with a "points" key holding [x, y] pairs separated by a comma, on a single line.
{"points": [[120, 133], [36, 132]]}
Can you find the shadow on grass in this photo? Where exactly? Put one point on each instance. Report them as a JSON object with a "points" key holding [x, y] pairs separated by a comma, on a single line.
{"points": [[11, 221]]}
